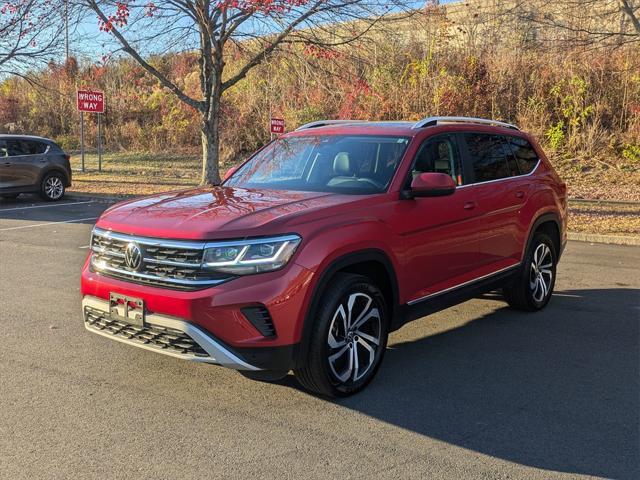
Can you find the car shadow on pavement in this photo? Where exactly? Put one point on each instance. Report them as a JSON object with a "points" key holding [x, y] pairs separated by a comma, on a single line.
{"points": [[556, 390]]}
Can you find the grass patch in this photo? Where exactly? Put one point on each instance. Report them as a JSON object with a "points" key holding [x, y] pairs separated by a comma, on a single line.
{"points": [[135, 173], [605, 219]]}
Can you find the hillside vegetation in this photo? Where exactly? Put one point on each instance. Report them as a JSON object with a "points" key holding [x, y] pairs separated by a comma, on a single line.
{"points": [[582, 101]]}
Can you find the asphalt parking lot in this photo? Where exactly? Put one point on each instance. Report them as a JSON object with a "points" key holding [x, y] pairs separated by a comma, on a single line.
{"points": [[476, 391]]}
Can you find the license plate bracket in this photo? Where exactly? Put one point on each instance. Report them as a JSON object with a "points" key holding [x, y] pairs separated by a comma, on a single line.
{"points": [[127, 309]]}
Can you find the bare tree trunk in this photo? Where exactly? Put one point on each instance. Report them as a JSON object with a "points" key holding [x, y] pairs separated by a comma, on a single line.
{"points": [[211, 146]]}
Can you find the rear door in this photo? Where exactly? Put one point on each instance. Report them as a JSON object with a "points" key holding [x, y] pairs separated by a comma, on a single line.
{"points": [[439, 233], [26, 159], [500, 196]]}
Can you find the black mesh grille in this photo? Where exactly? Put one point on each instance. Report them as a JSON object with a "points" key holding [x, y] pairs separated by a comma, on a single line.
{"points": [[261, 319], [161, 338]]}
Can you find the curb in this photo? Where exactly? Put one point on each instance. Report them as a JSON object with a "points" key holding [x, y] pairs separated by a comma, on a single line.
{"points": [[609, 239]]}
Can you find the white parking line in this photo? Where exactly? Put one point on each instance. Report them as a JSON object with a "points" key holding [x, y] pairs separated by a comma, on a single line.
{"points": [[48, 223], [44, 206]]}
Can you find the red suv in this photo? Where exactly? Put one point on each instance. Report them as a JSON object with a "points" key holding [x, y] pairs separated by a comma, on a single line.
{"points": [[326, 240]]}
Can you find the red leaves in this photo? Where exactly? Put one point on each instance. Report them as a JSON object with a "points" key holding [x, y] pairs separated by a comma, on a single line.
{"points": [[315, 51], [120, 18], [150, 9], [9, 9], [23, 18], [266, 7]]}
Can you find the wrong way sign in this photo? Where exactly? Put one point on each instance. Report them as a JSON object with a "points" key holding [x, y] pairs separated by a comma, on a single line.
{"points": [[277, 125], [90, 101]]}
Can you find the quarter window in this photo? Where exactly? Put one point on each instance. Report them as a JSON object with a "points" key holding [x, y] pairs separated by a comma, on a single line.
{"points": [[525, 155], [35, 148], [491, 157], [4, 152]]}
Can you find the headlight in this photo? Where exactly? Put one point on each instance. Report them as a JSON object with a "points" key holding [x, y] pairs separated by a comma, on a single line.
{"points": [[245, 257]]}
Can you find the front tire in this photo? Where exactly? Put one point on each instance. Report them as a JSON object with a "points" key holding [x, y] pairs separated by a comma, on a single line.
{"points": [[52, 187], [348, 339], [533, 287]]}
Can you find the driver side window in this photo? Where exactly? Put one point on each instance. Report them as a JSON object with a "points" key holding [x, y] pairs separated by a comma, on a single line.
{"points": [[439, 155]]}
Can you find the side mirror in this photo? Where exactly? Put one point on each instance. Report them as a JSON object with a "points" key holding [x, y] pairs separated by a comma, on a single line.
{"points": [[431, 184], [229, 172]]}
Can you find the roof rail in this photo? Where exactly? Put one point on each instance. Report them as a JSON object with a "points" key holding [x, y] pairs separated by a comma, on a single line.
{"points": [[322, 123], [432, 121]]}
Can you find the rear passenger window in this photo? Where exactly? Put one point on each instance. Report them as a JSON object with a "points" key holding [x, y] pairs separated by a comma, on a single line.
{"points": [[4, 152], [490, 157], [33, 147], [524, 153]]}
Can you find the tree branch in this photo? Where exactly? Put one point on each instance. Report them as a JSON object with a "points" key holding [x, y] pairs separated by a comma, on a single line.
{"points": [[198, 105], [628, 10]]}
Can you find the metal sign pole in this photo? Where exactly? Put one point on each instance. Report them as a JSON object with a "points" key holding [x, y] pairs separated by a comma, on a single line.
{"points": [[99, 142], [82, 138]]}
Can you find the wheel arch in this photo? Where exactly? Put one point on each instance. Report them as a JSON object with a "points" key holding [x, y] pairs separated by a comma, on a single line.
{"points": [[373, 263], [548, 223], [54, 169]]}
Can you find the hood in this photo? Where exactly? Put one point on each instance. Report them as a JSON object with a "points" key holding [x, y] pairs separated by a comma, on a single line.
{"points": [[216, 212]]}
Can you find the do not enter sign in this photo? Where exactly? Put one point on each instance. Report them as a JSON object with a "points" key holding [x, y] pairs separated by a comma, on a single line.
{"points": [[90, 101], [277, 125]]}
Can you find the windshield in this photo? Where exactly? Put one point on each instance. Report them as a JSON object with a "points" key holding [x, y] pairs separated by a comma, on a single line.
{"points": [[352, 164]]}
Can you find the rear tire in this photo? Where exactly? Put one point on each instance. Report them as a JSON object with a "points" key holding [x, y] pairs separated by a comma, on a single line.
{"points": [[52, 187], [348, 338], [533, 286]]}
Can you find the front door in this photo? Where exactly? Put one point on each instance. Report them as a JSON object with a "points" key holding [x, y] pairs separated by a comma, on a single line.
{"points": [[439, 233], [23, 164]]}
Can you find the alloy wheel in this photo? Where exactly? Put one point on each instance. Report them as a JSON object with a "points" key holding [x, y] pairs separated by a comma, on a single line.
{"points": [[53, 187], [541, 273], [354, 338]]}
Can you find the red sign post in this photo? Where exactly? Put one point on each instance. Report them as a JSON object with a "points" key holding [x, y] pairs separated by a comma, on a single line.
{"points": [[93, 102], [277, 126]]}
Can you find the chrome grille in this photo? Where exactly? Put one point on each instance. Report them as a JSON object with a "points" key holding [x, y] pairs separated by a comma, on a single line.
{"points": [[155, 336], [167, 263]]}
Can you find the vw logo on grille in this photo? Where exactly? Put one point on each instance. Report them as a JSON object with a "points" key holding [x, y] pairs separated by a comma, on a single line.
{"points": [[133, 256]]}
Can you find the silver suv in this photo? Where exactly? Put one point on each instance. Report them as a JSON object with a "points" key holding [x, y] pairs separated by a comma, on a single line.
{"points": [[33, 165]]}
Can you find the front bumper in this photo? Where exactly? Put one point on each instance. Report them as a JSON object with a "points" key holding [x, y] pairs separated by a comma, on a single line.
{"points": [[162, 334]]}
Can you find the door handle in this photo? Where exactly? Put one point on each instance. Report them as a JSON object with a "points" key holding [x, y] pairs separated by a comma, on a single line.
{"points": [[470, 205], [519, 194], [7, 164]]}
